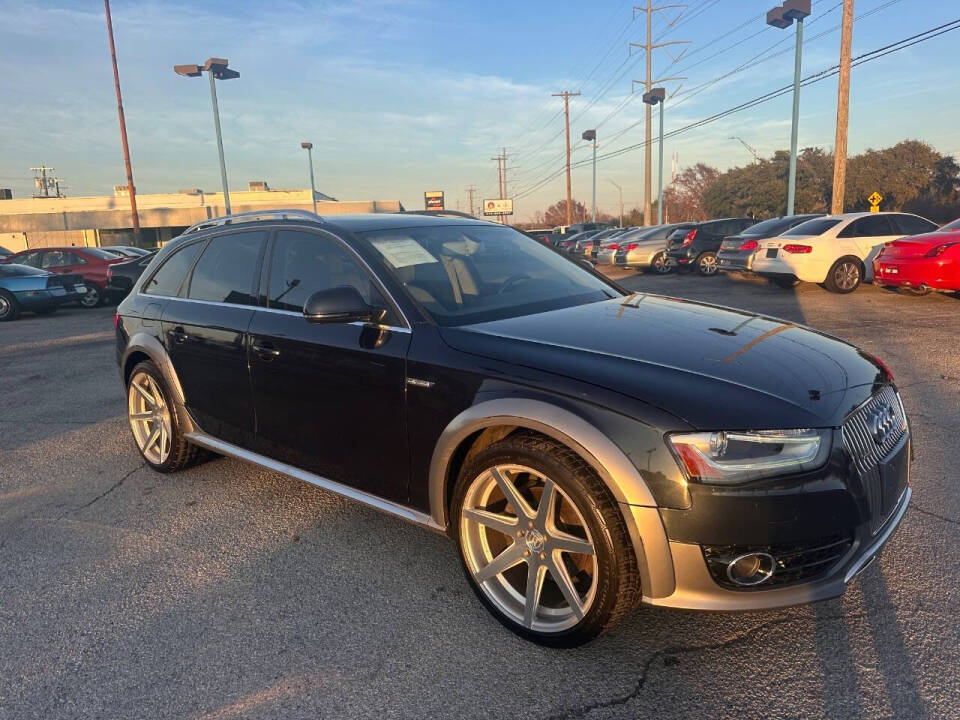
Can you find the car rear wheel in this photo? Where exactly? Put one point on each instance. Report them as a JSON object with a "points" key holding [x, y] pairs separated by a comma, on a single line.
{"points": [[93, 297], [542, 541], [707, 264], [155, 421], [658, 265], [845, 275], [9, 307]]}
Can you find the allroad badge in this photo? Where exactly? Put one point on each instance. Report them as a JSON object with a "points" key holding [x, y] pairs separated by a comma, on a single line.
{"points": [[882, 422]]}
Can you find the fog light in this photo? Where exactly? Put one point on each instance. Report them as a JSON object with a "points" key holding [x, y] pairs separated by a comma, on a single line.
{"points": [[751, 568]]}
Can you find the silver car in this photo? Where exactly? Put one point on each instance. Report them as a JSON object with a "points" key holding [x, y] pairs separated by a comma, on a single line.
{"points": [[648, 249], [608, 248]]}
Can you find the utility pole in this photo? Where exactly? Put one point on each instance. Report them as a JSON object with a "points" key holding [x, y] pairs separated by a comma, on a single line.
{"points": [[566, 95], [470, 191], [843, 111], [648, 47], [131, 190]]}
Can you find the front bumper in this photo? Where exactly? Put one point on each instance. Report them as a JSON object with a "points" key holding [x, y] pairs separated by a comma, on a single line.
{"points": [[697, 590]]}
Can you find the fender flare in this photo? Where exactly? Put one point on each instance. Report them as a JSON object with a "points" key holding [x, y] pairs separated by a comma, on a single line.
{"points": [[147, 344], [637, 504]]}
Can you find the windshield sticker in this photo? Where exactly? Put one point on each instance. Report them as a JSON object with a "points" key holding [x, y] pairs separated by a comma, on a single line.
{"points": [[403, 252]]}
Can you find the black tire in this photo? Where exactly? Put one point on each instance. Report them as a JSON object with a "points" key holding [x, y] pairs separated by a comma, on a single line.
{"points": [[707, 264], [9, 307], [182, 454], [845, 275], [48, 310], [618, 579], [785, 281], [658, 264], [92, 298]]}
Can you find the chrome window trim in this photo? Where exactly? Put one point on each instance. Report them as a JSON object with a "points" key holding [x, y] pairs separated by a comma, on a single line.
{"points": [[257, 308]]}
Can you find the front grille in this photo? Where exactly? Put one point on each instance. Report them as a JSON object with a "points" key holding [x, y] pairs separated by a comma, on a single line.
{"points": [[795, 562], [862, 438], [870, 433]]}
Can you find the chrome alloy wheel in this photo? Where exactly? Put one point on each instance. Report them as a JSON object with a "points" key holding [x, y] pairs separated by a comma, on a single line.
{"points": [[528, 547], [5, 306], [708, 265], [847, 275], [149, 417], [659, 264], [91, 298]]}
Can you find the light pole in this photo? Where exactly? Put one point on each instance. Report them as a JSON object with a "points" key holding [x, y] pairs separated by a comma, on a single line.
{"points": [[656, 96], [217, 69], [592, 135], [619, 190], [781, 17], [308, 146]]}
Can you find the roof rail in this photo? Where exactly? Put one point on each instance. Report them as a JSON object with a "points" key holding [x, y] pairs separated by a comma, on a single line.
{"points": [[250, 216]]}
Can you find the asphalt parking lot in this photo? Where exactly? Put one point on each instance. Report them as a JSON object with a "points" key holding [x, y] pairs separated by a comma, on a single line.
{"points": [[227, 591]]}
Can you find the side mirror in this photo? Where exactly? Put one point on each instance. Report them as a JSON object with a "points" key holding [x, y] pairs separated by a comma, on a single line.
{"points": [[343, 304]]}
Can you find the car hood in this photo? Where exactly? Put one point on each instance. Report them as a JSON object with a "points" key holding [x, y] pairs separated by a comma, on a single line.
{"points": [[711, 367]]}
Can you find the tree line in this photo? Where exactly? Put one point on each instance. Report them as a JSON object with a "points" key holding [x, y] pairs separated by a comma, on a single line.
{"points": [[911, 176]]}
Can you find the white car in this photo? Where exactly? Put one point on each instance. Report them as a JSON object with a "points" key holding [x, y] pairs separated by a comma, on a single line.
{"points": [[836, 251]]}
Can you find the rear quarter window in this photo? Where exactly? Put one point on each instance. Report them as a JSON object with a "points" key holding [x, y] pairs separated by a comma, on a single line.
{"points": [[169, 277]]}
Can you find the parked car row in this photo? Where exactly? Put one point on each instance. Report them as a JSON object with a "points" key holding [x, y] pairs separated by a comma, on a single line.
{"points": [[43, 279]]}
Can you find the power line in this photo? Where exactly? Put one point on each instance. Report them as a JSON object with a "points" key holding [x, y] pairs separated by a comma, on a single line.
{"points": [[773, 94]]}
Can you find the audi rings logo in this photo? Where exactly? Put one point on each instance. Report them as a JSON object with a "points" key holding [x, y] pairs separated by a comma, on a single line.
{"points": [[882, 422]]}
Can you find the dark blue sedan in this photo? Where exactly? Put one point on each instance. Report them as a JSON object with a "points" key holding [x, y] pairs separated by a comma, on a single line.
{"points": [[26, 288]]}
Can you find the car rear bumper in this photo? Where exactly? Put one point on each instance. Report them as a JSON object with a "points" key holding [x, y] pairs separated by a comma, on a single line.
{"points": [[735, 261], [917, 272], [42, 299], [802, 267]]}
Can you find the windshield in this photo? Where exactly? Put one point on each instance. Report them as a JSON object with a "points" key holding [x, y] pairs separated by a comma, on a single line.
{"points": [[464, 274], [14, 269], [812, 227]]}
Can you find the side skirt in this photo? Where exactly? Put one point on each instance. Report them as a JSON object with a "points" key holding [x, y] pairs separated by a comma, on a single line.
{"points": [[390, 508]]}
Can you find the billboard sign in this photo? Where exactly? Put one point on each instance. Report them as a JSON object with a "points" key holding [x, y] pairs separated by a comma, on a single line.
{"points": [[433, 200], [502, 206]]}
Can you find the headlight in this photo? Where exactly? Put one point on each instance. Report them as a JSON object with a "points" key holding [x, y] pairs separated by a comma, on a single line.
{"points": [[734, 457]]}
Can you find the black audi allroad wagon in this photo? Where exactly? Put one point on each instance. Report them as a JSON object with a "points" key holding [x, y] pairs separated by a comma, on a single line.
{"points": [[585, 448]]}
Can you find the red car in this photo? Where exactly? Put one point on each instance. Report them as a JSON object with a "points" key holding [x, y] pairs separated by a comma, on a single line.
{"points": [[91, 263], [921, 263]]}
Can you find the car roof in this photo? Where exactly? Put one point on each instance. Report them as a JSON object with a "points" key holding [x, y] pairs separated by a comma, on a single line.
{"points": [[388, 221]]}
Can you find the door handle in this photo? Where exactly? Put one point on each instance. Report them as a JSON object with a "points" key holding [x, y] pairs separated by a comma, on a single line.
{"points": [[178, 335], [265, 352]]}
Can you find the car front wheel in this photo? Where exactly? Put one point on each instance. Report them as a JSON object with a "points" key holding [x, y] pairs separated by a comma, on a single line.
{"points": [[9, 307], [542, 541]]}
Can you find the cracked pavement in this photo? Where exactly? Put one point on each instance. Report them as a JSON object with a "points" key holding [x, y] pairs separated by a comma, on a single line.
{"points": [[231, 592]]}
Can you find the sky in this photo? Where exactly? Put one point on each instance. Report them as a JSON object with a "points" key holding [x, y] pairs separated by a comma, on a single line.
{"points": [[404, 96]]}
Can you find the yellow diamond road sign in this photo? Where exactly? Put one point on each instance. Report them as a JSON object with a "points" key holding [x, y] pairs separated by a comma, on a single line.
{"points": [[875, 199]]}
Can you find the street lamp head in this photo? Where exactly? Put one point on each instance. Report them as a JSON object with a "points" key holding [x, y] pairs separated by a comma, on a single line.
{"points": [[187, 70], [216, 64], [307, 145], [656, 95], [796, 9], [776, 19], [589, 135]]}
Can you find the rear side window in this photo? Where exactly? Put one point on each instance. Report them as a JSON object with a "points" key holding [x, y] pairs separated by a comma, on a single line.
{"points": [[912, 225], [869, 226], [226, 271], [168, 279], [61, 258]]}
